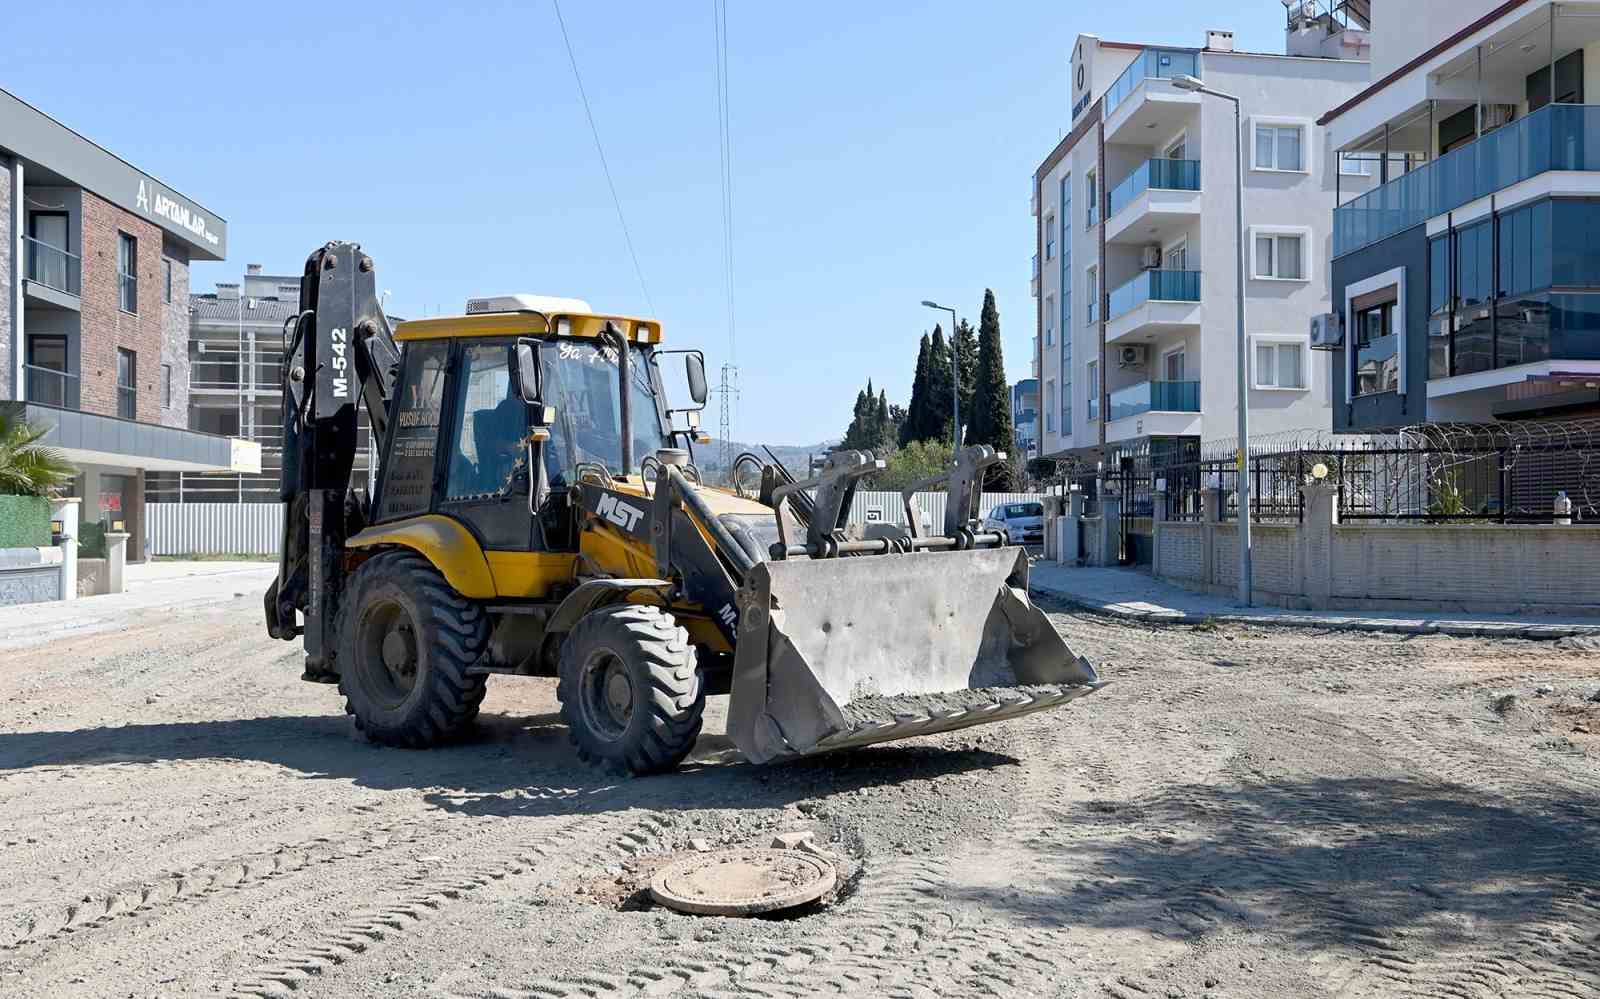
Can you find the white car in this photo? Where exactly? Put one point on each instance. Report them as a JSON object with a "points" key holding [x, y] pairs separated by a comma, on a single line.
{"points": [[1023, 521]]}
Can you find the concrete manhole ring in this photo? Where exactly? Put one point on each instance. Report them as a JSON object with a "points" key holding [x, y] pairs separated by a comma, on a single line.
{"points": [[742, 882]]}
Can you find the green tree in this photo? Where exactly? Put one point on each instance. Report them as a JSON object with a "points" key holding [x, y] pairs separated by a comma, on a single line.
{"points": [[911, 426], [936, 426], [991, 406], [965, 345], [883, 428], [28, 468], [916, 461]]}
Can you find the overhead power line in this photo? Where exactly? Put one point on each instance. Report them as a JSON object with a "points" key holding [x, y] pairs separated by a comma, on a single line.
{"points": [[604, 167]]}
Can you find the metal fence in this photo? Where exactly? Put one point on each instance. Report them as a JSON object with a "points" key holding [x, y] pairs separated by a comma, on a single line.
{"points": [[1433, 473], [209, 528]]}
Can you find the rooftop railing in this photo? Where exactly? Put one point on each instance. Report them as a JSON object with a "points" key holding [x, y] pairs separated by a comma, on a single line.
{"points": [[1150, 64]]}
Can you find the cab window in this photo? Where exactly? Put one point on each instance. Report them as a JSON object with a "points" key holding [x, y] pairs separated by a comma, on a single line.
{"points": [[413, 443], [491, 427]]}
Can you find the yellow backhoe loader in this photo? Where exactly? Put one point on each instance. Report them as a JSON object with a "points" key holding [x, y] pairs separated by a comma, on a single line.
{"points": [[537, 511]]}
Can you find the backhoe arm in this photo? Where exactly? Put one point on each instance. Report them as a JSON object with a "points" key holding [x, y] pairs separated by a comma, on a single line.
{"points": [[341, 351]]}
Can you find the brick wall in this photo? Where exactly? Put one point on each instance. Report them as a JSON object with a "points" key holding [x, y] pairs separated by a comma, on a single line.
{"points": [[8, 251], [105, 326], [175, 334], [1180, 550]]}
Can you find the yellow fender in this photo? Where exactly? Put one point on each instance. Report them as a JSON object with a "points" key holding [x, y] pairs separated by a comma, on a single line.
{"points": [[444, 542]]}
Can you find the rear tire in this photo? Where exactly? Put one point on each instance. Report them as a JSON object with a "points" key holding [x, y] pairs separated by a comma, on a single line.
{"points": [[406, 642], [630, 689]]}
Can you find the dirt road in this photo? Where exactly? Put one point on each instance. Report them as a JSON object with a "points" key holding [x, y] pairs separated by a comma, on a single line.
{"points": [[1240, 813]]}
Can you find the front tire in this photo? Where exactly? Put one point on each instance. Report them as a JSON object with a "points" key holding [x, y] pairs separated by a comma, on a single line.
{"points": [[406, 642], [630, 689]]}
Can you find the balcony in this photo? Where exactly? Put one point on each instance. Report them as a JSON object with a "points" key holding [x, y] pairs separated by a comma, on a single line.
{"points": [[1555, 137], [1035, 284], [51, 274], [1143, 95], [1154, 302], [1145, 408], [1145, 397], [50, 387], [1155, 203]]}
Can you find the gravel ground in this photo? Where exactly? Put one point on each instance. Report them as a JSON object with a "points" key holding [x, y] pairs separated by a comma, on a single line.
{"points": [[1239, 813]]}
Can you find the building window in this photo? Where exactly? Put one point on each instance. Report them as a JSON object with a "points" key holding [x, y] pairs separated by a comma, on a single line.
{"points": [[1280, 145], [1092, 293], [1091, 384], [1049, 320], [166, 279], [1091, 198], [1172, 365], [1355, 164], [166, 386], [1050, 405], [127, 272], [127, 384], [1280, 365], [1050, 237], [1280, 254], [1376, 345]]}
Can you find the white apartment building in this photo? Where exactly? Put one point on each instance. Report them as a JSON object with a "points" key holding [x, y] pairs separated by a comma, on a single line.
{"points": [[1136, 266]]}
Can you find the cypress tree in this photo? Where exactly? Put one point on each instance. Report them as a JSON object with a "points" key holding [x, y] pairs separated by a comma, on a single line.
{"points": [[937, 427], [883, 433], [911, 426], [965, 344], [991, 417]]}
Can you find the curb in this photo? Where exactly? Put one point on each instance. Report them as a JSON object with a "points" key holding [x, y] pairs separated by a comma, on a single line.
{"points": [[1454, 629]]}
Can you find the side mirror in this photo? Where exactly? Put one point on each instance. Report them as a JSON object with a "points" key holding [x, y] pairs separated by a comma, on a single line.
{"points": [[528, 384], [695, 366]]}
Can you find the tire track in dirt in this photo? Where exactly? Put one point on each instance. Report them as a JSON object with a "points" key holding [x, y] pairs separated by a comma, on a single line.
{"points": [[895, 937], [414, 900]]}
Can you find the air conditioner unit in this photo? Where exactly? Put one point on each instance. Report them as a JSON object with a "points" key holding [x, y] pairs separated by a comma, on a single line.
{"points": [[1131, 357], [1327, 331], [1150, 259]]}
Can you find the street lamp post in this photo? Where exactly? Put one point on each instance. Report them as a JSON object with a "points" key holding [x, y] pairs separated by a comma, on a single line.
{"points": [[955, 372], [1241, 458]]}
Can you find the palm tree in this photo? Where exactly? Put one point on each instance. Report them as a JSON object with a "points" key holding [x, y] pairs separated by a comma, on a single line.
{"points": [[28, 468]]}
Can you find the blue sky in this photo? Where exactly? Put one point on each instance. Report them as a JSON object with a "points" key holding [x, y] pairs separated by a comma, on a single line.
{"points": [[882, 155]]}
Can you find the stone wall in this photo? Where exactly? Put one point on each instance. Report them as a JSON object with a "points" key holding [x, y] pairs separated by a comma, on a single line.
{"points": [[175, 335], [1322, 563], [29, 575]]}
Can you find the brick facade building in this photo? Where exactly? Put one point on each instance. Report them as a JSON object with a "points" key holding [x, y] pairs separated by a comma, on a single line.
{"points": [[94, 316]]}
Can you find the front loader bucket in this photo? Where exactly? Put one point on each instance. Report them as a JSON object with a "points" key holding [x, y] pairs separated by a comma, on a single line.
{"points": [[842, 652]]}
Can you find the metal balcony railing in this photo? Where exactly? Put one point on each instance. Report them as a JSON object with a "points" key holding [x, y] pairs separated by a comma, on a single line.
{"points": [[1161, 174], [50, 387], [52, 266], [1155, 286], [1145, 397], [1150, 64], [1555, 137]]}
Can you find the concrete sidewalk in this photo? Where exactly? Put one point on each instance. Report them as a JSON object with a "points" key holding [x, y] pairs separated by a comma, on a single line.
{"points": [[152, 586], [1134, 595]]}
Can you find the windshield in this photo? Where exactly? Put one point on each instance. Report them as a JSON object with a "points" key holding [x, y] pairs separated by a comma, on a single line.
{"points": [[1025, 510], [580, 380]]}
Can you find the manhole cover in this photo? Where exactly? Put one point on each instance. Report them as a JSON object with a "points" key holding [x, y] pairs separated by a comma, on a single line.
{"points": [[742, 882]]}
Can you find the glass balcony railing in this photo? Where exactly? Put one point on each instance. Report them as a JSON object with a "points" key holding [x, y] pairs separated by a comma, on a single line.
{"points": [[1555, 137], [1161, 174], [1155, 286], [1161, 397], [51, 387], [51, 266], [1161, 64]]}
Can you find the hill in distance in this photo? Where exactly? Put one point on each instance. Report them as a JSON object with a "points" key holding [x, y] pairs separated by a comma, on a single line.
{"points": [[708, 456]]}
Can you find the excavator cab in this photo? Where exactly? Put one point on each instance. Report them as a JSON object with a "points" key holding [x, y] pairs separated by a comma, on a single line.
{"points": [[536, 513]]}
